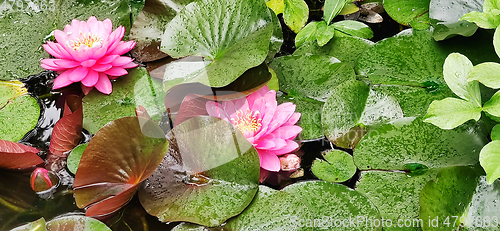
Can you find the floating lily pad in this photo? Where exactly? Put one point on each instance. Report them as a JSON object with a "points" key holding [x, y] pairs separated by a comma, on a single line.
{"points": [[396, 195], [67, 132], [76, 223], [310, 118], [74, 157], [414, 13], [136, 88], [338, 166], [460, 196], [118, 158], [19, 112], [332, 204], [18, 156], [211, 173], [353, 104], [445, 16], [38, 225], [216, 31], [26, 25], [410, 140], [288, 213], [346, 49]]}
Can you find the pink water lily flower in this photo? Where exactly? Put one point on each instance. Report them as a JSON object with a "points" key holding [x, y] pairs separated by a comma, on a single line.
{"points": [[89, 52], [268, 126]]}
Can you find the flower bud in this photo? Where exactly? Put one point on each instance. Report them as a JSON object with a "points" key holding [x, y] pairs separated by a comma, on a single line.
{"points": [[42, 180], [290, 162]]}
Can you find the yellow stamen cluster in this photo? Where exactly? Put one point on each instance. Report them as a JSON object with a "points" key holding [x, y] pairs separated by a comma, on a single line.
{"points": [[86, 40], [247, 121]]}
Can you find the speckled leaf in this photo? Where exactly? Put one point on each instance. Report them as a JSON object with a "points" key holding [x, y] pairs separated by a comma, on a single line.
{"points": [[230, 36], [324, 33], [130, 91], [353, 103], [276, 39], [396, 195], [74, 157], [490, 160], [211, 173], [118, 158], [38, 225], [150, 25], [353, 28], [310, 76], [26, 25], [445, 16], [76, 223], [346, 49], [295, 14], [288, 212], [329, 202], [310, 119], [338, 166], [395, 61], [19, 112], [410, 140], [414, 13], [332, 8], [449, 113], [308, 33], [463, 193]]}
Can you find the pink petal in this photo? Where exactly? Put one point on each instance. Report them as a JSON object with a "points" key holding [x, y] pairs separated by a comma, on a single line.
{"points": [[66, 63], [269, 161], [107, 59], [263, 175], [101, 67], [130, 65], [257, 95], [228, 108], [104, 85], [108, 26], [50, 65], [283, 112], [88, 63], [265, 144], [293, 119], [91, 79], [61, 37], [286, 132], [115, 38], [290, 147], [123, 48], [62, 80], [213, 109], [120, 61], [100, 52], [78, 74], [241, 104], [116, 71]]}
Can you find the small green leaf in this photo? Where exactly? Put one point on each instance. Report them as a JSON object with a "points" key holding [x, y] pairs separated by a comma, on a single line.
{"points": [[490, 160], [493, 105], [307, 33], [414, 13], [456, 69], [495, 132], [496, 41], [484, 20], [332, 8], [338, 167], [449, 113], [354, 28], [295, 14], [491, 5], [278, 6], [75, 156], [324, 33], [487, 73], [76, 223], [349, 8]]}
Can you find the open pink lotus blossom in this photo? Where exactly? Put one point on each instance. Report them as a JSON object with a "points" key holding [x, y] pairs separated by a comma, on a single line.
{"points": [[268, 126], [89, 52]]}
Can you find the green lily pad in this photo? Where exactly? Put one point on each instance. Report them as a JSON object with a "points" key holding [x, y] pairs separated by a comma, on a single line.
{"points": [[216, 31], [414, 13], [396, 195], [74, 157], [19, 112], [335, 206], [26, 25], [346, 49], [130, 91], [409, 140], [76, 223], [353, 104], [211, 173], [445, 16], [118, 158], [295, 14], [490, 159], [338, 166], [459, 196], [310, 119], [288, 213], [38, 225]]}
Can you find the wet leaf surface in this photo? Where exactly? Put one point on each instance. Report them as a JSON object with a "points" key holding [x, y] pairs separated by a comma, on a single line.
{"points": [[67, 132], [414, 13], [18, 156], [118, 158], [211, 173], [74, 157], [338, 166]]}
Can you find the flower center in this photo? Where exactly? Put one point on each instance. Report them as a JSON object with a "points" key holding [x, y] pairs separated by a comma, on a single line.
{"points": [[247, 121], [88, 40]]}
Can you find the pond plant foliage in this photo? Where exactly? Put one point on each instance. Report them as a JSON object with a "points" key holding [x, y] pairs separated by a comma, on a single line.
{"points": [[249, 115]]}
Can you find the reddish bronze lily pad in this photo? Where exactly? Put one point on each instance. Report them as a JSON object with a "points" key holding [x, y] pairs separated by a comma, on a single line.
{"points": [[67, 132], [18, 156]]}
